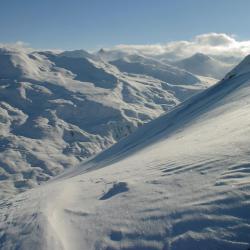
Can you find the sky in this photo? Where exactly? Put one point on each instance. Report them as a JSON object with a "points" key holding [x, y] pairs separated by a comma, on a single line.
{"points": [[92, 24]]}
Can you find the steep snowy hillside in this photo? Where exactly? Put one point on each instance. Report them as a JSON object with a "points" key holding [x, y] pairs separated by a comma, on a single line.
{"points": [[204, 65], [180, 182], [57, 109]]}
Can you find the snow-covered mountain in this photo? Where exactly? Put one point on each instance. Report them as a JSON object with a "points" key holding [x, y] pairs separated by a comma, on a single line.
{"points": [[136, 64], [169, 69], [113, 54], [204, 65], [180, 182], [57, 109]]}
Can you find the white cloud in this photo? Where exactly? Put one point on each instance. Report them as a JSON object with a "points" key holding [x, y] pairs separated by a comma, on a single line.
{"points": [[20, 46], [218, 44], [17, 46], [214, 39], [211, 43]]}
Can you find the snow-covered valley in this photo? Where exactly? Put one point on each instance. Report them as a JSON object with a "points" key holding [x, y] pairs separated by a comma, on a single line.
{"points": [[179, 182]]}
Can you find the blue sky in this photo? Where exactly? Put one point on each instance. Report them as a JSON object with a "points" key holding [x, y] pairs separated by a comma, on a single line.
{"points": [[92, 24]]}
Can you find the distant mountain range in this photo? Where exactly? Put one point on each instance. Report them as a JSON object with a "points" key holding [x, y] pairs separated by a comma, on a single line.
{"points": [[57, 109], [214, 66]]}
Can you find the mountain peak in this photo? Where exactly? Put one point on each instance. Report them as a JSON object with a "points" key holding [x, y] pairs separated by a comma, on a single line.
{"points": [[76, 54], [16, 64], [201, 64], [101, 51], [200, 56]]}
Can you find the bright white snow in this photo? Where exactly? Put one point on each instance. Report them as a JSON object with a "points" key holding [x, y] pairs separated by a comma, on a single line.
{"points": [[57, 109], [180, 182]]}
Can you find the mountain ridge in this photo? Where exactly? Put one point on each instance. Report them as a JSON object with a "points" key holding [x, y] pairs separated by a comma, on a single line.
{"points": [[58, 108]]}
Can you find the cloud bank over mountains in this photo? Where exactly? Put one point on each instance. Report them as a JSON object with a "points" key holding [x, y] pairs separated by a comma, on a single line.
{"points": [[214, 44], [211, 43]]}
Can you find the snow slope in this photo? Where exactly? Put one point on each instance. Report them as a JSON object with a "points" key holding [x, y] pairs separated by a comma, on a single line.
{"points": [[180, 182], [57, 109]]}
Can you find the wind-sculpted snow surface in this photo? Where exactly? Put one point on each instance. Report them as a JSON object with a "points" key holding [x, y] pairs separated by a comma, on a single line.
{"points": [[180, 182], [58, 109]]}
